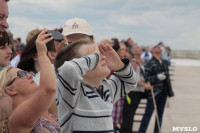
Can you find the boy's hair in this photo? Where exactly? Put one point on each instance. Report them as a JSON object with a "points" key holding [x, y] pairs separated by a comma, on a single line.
{"points": [[4, 39], [69, 52], [10, 40]]}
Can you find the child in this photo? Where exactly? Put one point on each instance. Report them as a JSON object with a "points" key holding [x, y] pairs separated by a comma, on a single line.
{"points": [[84, 97]]}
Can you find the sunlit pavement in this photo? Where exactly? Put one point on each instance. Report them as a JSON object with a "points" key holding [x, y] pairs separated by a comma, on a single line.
{"points": [[182, 112]]}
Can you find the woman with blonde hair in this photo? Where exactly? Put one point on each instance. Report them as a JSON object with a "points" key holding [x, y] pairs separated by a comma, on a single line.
{"points": [[30, 101]]}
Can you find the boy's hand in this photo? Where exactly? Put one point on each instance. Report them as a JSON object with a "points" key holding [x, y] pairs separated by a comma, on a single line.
{"points": [[106, 41], [112, 58], [91, 49]]}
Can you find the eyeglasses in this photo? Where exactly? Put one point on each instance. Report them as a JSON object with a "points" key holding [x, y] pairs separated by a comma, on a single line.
{"points": [[21, 74]]}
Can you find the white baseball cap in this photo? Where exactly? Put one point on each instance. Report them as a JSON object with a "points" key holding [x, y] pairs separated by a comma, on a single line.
{"points": [[152, 46], [77, 26]]}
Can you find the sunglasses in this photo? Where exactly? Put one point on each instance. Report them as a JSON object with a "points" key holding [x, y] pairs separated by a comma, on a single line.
{"points": [[21, 74]]}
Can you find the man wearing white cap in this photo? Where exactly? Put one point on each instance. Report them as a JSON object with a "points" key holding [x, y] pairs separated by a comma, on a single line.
{"points": [[77, 28], [157, 73]]}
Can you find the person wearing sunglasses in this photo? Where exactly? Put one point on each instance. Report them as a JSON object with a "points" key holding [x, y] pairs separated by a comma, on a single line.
{"points": [[30, 101]]}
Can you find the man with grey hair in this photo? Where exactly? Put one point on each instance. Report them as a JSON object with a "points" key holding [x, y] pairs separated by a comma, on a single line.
{"points": [[3, 16], [133, 98], [77, 28]]}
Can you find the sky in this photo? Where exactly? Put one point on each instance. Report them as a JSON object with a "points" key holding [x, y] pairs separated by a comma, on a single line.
{"points": [[175, 22]]}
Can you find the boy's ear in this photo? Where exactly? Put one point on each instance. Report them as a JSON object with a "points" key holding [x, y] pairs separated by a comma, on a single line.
{"points": [[11, 91], [51, 55]]}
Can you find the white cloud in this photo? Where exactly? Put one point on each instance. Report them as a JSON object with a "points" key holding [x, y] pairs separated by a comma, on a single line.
{"points": [[175, 25], [21, 26], [125, 20], [48, 3], [108, 27], [145, 21], [187, 40]]}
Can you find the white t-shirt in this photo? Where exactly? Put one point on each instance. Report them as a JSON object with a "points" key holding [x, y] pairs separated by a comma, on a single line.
{"points": [[14, 62], [146, 56], [36, 78]]}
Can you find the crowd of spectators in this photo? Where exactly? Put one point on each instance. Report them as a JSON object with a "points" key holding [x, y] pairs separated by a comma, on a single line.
{"points": [[75, 84]]}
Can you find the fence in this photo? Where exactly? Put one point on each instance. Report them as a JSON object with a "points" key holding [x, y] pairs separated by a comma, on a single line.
{"points": [[186, 54]]}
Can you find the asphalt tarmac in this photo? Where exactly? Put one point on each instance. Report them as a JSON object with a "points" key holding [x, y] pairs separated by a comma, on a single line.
{"points": [[182, 112]]}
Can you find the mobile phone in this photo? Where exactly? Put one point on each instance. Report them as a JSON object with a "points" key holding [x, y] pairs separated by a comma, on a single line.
{"points": [[57, 36]]}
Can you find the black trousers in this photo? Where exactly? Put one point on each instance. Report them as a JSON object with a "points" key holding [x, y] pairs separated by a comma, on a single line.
{"points": [[129, 111]]}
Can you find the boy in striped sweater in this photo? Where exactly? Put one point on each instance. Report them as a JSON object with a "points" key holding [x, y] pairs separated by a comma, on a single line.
{"points": [[84, 97]]}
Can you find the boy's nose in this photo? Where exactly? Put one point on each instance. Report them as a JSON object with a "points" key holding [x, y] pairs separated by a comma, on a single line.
{"points": [[9, 50]]}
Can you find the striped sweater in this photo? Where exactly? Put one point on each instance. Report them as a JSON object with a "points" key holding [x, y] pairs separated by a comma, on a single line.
{"points": [[81, 106]]}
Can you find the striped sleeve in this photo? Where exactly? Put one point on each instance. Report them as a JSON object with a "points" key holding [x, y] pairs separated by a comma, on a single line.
{"points": [[123, 81], [70, 75]]}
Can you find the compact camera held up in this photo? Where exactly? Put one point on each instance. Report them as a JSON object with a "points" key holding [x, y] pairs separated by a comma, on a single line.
{"points": [[57, 36]]}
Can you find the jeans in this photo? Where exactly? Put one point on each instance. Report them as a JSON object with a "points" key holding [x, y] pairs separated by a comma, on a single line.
{"points": [[129, 111], [160, 99]]}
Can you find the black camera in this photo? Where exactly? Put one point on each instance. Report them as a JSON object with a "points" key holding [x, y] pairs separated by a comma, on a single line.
{"points": [[57, 36]]}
